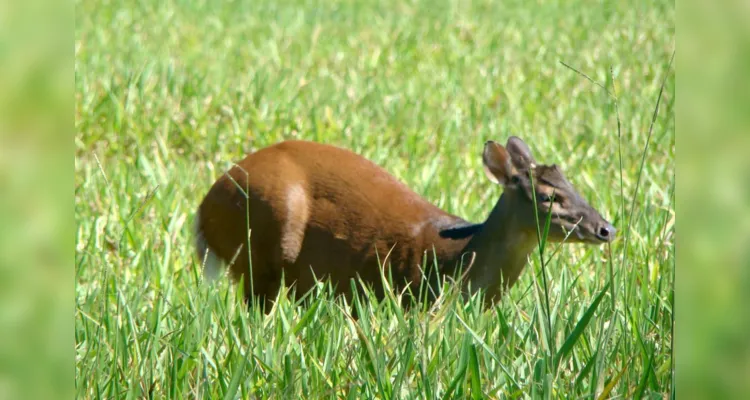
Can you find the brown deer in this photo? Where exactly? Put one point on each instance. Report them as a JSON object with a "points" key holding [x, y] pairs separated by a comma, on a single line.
{"points": [[317, 211]]}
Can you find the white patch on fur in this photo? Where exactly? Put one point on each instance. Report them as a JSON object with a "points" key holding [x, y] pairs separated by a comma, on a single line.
{"points": [[443, 222], [578, 233], [416, 229], [297, 214], [212, 264]]}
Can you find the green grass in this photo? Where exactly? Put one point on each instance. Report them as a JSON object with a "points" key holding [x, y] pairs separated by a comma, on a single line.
{"points": [[168, 94]]}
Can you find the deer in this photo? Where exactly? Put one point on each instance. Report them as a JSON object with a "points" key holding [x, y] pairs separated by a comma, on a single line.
{"points": [[310, 211]]}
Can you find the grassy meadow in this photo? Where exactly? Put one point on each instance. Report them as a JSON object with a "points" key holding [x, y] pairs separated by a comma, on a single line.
{"points": [[169, 94]]}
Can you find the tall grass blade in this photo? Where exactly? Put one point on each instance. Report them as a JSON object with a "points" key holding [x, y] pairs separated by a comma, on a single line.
{"points": [[567, 347]]}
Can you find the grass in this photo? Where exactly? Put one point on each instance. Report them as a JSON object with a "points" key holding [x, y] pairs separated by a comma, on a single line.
{"points": [[169, 94]]}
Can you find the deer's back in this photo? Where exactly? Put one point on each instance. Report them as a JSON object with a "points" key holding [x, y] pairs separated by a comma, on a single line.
{"points": [[319, 206]]}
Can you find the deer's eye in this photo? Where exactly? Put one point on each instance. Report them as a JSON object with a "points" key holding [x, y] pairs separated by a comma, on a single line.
{"points": [[544, 198]]}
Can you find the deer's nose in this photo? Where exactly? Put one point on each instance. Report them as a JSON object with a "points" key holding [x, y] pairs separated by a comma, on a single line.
{"points": [[606, 232]]}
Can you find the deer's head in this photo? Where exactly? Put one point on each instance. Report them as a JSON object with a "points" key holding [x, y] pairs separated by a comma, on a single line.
{"points": [[532, 188]]}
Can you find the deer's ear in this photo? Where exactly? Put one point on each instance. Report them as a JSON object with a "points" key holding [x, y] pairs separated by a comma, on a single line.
{"points": [[520, 154], [496, 162]]}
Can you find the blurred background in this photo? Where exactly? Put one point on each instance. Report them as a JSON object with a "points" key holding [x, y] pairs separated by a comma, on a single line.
{"points": [[36, 220], [713, 279]]}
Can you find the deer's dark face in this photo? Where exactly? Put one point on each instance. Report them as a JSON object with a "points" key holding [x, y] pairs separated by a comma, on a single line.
{"points": [[571, 214], [543, 190]]}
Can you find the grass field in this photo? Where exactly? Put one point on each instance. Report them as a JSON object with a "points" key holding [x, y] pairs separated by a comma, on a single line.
{"points": [[168, 94]]}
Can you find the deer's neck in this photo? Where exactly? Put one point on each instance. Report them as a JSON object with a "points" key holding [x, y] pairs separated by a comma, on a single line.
{"points": [[500, 251]]}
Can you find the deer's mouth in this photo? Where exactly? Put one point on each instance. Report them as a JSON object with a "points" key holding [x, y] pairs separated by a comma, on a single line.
{"points": [[580, 230], [589, 236], [596, 239]]}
